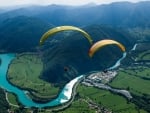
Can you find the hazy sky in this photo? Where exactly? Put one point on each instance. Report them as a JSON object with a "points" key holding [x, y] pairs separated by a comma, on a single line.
{"points": [[63, 2]]}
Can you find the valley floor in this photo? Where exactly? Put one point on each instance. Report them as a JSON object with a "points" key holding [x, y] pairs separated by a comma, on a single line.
{"points": [[134, 78]]}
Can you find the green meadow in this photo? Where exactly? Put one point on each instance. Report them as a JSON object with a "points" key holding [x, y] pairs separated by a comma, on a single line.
{"points": [[139, 71], [12, 98], [102, 98], [78, 106], [133, 81], [24, 72], [144, 55]]}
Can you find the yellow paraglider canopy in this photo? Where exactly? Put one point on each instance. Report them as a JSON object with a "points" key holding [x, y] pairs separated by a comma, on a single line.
{"points": [[64, 28], [103, 43]]}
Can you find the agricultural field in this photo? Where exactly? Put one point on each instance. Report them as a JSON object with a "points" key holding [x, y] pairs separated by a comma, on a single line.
{"points": [[101, 100], [143, 55], [24, 72], [78, 106], [139, 71], [126, 79]]}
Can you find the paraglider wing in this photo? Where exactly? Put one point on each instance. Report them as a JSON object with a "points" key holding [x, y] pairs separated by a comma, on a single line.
{"points": [[103, 43], [64, 28]]}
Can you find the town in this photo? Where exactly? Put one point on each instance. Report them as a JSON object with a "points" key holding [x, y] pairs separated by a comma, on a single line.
{"points": [[100, 77]]}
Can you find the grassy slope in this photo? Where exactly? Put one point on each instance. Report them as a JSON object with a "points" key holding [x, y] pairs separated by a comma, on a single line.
{"points": [[25, 71]]}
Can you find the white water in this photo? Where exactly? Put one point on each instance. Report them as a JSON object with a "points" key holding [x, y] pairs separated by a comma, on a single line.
{"points": [[117, 64], [134, 47]]}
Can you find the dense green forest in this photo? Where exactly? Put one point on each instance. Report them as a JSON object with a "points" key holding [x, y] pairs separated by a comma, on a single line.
{"points": [[4, 106]]}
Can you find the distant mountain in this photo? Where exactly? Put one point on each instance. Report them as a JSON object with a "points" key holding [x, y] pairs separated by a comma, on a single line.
{"points": [[67, 57], [118, 14], [1, 11], [20, 34]]}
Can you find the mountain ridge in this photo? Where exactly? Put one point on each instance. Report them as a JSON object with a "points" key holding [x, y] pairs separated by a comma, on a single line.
{"points": [[117, 14]]}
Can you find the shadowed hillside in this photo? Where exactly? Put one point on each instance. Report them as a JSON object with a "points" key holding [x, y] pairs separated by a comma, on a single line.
{"points": [[21, 34], [67, 57]]}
